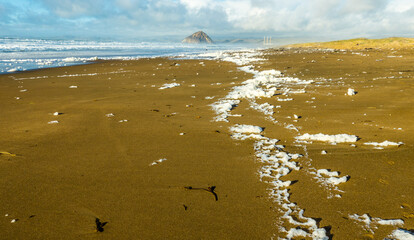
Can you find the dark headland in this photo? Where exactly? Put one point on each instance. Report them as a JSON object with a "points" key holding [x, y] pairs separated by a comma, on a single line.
{"points": [[198, 37]]}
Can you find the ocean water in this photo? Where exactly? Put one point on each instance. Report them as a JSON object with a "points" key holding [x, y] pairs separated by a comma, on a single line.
{"points": [[27, 54]]}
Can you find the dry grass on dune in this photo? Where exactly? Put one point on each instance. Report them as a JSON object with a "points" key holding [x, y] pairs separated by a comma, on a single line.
{"points": [[362, 43]]}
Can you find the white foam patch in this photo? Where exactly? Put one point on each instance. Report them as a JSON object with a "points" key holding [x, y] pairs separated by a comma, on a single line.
{"points": [[265, 108], [239, 128], [351, 92], [389, 222], [262, 85], [223, 108], [243, 132], [241, 136], [241, 58], [384, 144], [13, 70], [297, 91], [248, 69], [158, 161], [401, 234], [169, 85], [331, 177], [338, 138], [370, 224], [284, 99], [265, 84], [77, 75], [294, 232], [40, 77]]}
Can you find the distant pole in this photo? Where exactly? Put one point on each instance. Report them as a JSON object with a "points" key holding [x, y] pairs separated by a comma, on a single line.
{"points": [[267, 40]]}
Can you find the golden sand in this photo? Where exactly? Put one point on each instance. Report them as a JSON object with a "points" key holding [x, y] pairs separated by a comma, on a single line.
{"points": [[362, 43], [147, 161], [380, 180]]}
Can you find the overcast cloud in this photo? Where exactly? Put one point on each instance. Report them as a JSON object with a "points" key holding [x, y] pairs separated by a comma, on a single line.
{"points": [[135, 19]]}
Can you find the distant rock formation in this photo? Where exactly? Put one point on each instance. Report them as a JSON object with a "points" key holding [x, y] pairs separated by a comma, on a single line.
{"points": [[198, 37]]}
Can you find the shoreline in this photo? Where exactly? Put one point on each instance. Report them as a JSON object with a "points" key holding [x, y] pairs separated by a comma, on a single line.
{"points": [[36, 69], [153, 112], [23, 54]]}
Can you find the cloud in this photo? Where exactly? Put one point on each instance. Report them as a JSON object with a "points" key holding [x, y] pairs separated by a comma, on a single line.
{"points": [[364, 17], [400, 6], [197, 5], [325, 17], [364, 6], [72, 9], [137, 18]]}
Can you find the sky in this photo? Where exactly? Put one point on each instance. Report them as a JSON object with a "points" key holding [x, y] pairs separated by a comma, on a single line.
{"points": [[221, 19]]}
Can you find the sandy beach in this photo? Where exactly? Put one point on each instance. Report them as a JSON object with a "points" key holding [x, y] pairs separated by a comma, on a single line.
{"points": [[187, 149]]}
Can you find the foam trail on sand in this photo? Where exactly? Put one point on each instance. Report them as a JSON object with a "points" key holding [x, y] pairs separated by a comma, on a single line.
{"points": [[278, 163], [265, 84]]}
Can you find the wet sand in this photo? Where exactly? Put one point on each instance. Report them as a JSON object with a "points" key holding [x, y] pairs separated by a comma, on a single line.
{"points": [[380, 183], [89, 165], [93, 165]]}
